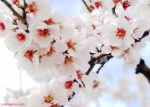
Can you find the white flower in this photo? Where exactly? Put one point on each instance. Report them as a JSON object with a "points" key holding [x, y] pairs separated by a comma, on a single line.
{"points": [[74, 41], [68, 66], [54, 55], [131, 61], [94, 86], [141, 9], [141, 26], [129, 13], [111, 3], [54, 18], [115, 51], [28, 59], [15, 41], [127, 3], [70, 84], [43, 34], [39, 9], [5, 25], [120, 32], [95, 4]]}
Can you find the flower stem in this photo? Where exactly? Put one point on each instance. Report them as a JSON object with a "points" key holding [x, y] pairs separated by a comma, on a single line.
{"points": [[14, 12], [86, 6]]}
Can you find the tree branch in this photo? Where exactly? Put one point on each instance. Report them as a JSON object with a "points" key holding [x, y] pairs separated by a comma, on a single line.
{"points": [[14, 12], [144, 69], [101, 59], [24, 9], [86, 6], [108, 57], [146, 33]]}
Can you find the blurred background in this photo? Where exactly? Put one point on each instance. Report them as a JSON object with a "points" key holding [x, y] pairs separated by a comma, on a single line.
{"points": [[124, 88]]}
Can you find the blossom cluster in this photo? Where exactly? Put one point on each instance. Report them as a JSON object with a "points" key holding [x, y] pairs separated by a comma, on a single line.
{"points": [[59, 48], [119, 25]]}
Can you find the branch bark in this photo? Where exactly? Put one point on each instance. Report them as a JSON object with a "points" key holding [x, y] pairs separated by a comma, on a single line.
{"points": [[14, 12], [144, 69], [101, 59]]}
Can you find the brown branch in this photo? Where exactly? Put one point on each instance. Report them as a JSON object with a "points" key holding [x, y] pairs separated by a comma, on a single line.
{"points": [[101, 59], [144, 69]]}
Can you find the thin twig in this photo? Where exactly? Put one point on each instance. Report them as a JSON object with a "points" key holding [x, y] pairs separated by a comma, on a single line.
{"points": [[14, 12], [109, 56], [98, 60], [114, 11], [86, 6], [24, 9]]}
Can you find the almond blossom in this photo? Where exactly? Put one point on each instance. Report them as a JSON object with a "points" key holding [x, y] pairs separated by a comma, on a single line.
{"points": [[121, 32], [19, 39], [43, 35], [63, 50], [28, 58], [36, 9], [95, 4]]}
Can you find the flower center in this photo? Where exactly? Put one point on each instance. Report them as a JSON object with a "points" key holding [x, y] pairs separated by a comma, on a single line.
{"points": [[126, 4], [48, 99], [33, 8], [71, 44], [55, 105], [43, 32], [95, 84], [79, 74], [127, 50], [49, 21], [68, 84], [121, 33], [98, 4], [51, 51], [91, 7], [15, 1], [116, 1], [94, 27], [68, 60], [21, 37], [113, 47], [29, 54], [2, 26]]}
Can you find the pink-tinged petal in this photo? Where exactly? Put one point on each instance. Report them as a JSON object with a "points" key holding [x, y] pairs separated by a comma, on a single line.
{"points": [[72, 52], [67, 33], [76, 88], [58, 58], [138, 33], [106, 49], [116, 52], [128, 40], [123, 23], [115, 41], [111, 30], [54, 30], [60, 46]]}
